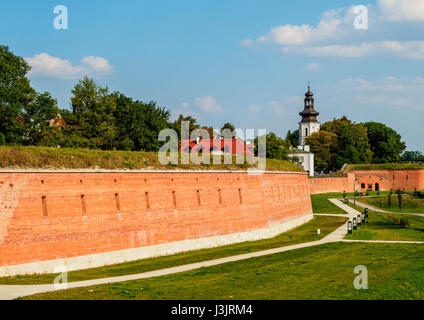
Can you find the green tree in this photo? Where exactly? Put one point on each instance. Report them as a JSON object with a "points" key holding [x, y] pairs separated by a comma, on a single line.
{"points": [[385, 142], [16, 93], [400, 200], [210, 131], [37, 117], [193, 125], [322, 144], [276, 147], [293, 137], [336, 125], [93, 114], [414, 156], [2, 139], [352, 143], [138, 124], [230, 127]]}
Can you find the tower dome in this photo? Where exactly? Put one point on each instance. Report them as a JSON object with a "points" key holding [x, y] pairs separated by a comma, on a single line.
{"points": [[309, 114]]}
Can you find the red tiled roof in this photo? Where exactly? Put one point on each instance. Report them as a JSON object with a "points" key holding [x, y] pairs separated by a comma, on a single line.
{"points": [[233, 146]]}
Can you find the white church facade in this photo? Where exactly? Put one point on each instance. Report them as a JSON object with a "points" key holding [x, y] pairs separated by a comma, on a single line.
{"points": [[307, 126]]}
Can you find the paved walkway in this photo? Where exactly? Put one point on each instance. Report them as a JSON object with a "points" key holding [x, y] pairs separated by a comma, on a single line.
{"points": [[8, 292]]}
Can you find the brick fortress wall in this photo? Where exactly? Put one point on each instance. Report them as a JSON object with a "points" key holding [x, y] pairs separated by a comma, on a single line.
{"points": [[334, 184], [52, 215], [368, 179], [390, 179]]}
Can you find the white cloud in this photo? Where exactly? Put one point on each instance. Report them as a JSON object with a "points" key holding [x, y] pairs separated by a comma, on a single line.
{"points": [[208, 104], [331, 26], [247, 42], [405, 49], [313, 67], [46, 65], [185, 105], [335, 36], [402, 10], [254, 109], [97, 63], [386, 85], [388, 93]]}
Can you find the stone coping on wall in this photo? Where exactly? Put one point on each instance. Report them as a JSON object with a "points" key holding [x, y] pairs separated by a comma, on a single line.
{"points": [[252, 172]]}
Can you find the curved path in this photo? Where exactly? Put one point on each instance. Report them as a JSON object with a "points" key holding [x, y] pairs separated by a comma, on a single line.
{"points": [[8, 292]]}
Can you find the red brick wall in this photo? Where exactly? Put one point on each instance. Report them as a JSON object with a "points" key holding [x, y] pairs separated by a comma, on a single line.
{"points": [[29, 233], [391, 179], [386, 180], [335, 184]]}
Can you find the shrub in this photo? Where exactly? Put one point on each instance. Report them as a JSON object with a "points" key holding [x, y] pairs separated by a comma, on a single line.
{"points": [[404, 222], [128, 164], [399, 220], [400, 200]]}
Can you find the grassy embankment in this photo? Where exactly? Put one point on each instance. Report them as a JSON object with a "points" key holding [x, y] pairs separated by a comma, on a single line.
{"points": [[322, 204], [321, 272], [410, 204], [66, 158], [385, 166], [304, 233]]}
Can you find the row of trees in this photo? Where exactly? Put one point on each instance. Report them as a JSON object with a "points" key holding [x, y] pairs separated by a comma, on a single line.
{"points": [[98, 119], [110, 120], [342, 141]]}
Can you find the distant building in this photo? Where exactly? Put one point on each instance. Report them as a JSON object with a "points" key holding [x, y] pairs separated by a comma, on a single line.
{"points": [[234, 146], [304, 158], [307, 126]]}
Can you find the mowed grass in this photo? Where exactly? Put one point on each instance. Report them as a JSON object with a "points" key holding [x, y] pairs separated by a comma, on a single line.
{"points": [[395, 271], [381, 227], [410, 203], [67, 158], [304, 233], [321, 204]]}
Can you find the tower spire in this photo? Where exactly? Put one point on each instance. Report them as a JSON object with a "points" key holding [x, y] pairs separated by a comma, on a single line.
{"points": [[309, 123], [309, 114]]}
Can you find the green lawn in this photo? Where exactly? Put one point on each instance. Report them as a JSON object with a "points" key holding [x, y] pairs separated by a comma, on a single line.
{"points": [[409, 203], [381, 227], [305, 233], [395, 271], [321, 204]]}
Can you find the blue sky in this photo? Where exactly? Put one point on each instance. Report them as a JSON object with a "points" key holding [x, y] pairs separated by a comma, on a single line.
{"points": [[243, 61]]}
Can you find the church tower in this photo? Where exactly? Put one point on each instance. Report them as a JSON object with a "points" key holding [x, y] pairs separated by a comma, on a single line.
{"points": [[309, 123]]}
